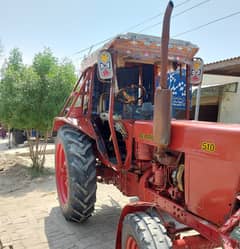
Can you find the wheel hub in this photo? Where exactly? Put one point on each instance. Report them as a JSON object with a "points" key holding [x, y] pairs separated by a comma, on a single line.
{"points": [[61, 174], [131, 243]]}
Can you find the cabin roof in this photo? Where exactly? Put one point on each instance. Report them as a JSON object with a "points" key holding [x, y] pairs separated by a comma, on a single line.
{"points": [[143, 48]]}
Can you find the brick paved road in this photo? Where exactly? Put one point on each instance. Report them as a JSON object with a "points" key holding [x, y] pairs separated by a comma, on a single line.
{"points": [[39, 224], [30, 218]]}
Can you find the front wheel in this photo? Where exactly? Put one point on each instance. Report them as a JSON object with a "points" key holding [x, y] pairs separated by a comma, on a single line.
{"points": [[142, 230], [75, 174]]}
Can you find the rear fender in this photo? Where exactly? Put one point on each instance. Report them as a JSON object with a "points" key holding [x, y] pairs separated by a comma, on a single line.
{"points": [[82, 124]]}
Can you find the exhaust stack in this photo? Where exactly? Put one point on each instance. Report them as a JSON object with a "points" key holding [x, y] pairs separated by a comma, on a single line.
{"points": [[163, 95]]}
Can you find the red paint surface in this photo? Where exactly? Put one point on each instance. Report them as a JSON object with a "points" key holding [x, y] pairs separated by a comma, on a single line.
{"points": [[61, 174], [131, 243]]}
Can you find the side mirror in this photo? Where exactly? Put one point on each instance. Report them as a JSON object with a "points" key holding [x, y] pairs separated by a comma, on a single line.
{"points": [[196, 71], [105, 67]]}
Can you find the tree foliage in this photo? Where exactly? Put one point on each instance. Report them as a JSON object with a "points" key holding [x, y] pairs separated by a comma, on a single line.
{"points": [[31, 96], [11, 78]]}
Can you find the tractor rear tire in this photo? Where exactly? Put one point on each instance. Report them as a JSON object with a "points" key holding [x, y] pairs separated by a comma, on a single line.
{"points": [[142, 230], [75, 174]]}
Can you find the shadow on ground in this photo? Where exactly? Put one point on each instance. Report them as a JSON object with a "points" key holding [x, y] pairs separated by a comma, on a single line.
{"points": [[98, 232]]}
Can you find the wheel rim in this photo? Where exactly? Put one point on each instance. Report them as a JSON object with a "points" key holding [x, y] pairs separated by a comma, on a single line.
{"points": [[131, 243], [61, 174]]}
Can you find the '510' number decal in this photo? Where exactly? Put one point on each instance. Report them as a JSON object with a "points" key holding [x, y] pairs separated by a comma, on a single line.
{"points": [[207, 146]]}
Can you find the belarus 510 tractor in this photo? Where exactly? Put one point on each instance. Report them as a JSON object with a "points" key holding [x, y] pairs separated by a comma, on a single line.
{"points": [[117, 126]]}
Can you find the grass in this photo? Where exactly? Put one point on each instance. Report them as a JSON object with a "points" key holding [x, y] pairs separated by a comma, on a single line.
{"points": [[36, 172]]}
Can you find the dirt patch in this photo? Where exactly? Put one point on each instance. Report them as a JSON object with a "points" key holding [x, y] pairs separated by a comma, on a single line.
{"points": [[14, 173]]}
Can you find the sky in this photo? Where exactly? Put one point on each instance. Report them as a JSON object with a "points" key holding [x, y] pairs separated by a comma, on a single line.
{"points": [[68, 26]]}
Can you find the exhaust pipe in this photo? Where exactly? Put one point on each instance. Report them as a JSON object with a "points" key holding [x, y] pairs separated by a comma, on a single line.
{"points": [[163, 95]]}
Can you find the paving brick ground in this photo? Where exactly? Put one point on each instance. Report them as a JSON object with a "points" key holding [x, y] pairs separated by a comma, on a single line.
{"points": [[31, 218]]}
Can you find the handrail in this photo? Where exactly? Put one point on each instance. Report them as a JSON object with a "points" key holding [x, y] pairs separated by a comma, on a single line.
{"points": [[71, 95], [111, 121]]}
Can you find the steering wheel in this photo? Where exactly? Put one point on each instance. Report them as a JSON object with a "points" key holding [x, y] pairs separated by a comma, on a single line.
{"points": [[125, 97]]}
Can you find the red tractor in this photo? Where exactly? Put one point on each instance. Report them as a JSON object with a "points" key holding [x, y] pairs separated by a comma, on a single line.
{"points": [[126, 122]]}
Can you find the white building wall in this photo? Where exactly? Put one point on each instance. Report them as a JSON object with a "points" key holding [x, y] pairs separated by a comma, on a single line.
{"points": [[229, 104], [229, 108], [210, 79]]}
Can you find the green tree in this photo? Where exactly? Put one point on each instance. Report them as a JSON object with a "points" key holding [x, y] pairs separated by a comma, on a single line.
{"points": [[11, 77], [39, 93]]}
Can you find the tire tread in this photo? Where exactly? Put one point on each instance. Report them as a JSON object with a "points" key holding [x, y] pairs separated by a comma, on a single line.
{"points": [[147, 230], [82, 174]]}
